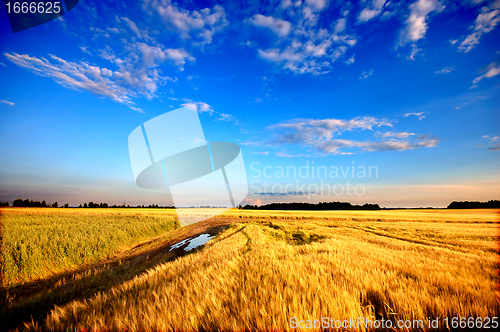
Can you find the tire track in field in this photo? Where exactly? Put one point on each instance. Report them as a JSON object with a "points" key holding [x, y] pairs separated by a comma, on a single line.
{"points": [[434, 244]]}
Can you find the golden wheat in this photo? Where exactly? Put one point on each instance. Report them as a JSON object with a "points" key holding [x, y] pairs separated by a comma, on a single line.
{"points": [[272, 266]]}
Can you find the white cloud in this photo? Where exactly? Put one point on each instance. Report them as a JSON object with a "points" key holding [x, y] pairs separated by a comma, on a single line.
{"points": [[445, 70], [137, 60], [395, 135], [120, 85], [340, 25], [322, 136], [484, 23], [265, 153], [493, 145], [300, 130], [366, 74], [373, 9], [280, 27], [7, 102], [140, 33], [414, 51], [178, 56], [316, 4], [416, 24], [494, 70], [198, 26], [420, 115], [304, 46], [200, 106], [85, 49], [305, 58], [226, 117], [137, 109], [151, 56]]}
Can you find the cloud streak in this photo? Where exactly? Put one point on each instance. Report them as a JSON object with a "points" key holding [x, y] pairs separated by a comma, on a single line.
{"points": [[416, 23], [373, 9], [77, 76], [280, 27], [445, 70], [494, 143], [323, 136], [202, 107], [7, 102], [484, 23], [493, 71], [420, 115], [120, 85]]}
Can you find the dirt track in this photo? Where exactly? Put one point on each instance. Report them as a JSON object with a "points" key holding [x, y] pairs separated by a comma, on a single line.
{"points": [[90, 279]]}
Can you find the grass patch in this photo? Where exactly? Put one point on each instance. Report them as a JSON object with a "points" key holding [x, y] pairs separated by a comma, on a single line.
{"points": [[39, 242]]}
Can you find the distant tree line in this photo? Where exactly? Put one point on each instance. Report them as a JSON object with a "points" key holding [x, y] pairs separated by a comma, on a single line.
{"points": [[105, 205], [311, 206], [30, 203], [492, 204], [475, 205]]}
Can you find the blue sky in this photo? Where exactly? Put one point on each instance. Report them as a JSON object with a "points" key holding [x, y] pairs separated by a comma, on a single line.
{"points": [[411, 88]]}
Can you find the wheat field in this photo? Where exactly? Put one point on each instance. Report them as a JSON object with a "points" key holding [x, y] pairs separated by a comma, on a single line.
{"points": [[269, 269], [39, 242]]}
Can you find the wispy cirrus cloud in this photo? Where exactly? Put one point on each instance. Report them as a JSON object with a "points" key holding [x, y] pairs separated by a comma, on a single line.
{"points": [[79, 76], [7, 102], [323, 136], [395, 135], [445, 70], [485, 22], [120, 85], [493, 144], [365, 74], [264, 153], [493, 70], [373, 9], [202, 107], [419, 115]]}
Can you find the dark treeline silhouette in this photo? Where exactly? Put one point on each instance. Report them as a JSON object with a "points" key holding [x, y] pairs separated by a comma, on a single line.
{"points": [[310, 206], [30, 203], [475, 205], [105, 205], [493, 204]]}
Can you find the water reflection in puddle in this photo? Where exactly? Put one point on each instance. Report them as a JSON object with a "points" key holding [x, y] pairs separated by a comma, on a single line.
{"points": [[193, 243]]}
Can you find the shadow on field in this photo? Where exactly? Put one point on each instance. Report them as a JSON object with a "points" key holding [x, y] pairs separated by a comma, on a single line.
{"points": [[34, 300]]}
